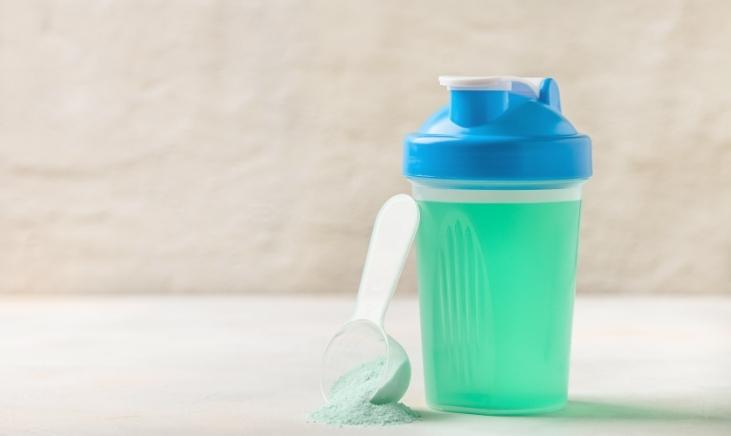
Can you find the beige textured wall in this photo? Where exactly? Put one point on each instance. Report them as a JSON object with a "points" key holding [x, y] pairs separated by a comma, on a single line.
{"points": [[235, 146]]}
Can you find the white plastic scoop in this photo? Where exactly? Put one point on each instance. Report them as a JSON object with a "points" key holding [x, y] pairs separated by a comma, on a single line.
{"points": [[362, 339]]}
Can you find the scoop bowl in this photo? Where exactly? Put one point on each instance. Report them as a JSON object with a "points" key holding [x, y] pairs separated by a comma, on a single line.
{"points": [[359, 342]]}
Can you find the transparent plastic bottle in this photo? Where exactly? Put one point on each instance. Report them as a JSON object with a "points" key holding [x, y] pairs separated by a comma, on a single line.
{"points": [[497, 175]]}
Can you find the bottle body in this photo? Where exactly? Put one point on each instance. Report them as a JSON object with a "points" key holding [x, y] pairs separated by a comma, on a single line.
{"points": [[497, 268]]}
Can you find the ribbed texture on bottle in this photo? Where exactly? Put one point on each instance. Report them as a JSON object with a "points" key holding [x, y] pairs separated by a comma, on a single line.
{"points": [[464, 300]]}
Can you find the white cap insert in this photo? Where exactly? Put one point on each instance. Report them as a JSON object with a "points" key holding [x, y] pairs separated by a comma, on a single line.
{"points": [[476, 83]]}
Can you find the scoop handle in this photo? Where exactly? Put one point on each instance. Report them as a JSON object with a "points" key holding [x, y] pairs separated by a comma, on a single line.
{"points": [[393, 233]]}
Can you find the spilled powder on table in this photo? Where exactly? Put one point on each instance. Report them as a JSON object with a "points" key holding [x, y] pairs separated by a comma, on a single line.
{"points": [[350, 401]]}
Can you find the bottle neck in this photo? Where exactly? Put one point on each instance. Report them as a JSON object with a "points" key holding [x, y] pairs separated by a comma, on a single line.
{"points": [[469, 108]]}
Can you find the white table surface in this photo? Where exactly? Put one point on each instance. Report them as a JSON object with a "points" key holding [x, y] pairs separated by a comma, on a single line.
{"points": [[249, 366]]}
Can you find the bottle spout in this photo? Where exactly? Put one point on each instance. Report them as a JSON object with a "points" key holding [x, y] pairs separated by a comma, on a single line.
{"points": [[476, 100]]}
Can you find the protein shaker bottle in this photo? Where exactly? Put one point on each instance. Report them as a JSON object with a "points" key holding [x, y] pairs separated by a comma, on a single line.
{"points": [[497, 175]]}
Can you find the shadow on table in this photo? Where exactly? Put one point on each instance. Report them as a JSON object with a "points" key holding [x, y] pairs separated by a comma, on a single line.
{"points": [[433, 415], [588, 410], [605, 410]]}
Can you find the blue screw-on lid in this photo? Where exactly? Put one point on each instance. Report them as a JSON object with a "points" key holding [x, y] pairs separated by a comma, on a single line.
{"points": [[498, 128]]}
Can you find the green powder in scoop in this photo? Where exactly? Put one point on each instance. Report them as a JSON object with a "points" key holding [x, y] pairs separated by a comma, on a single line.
{"points": [[350, 401]]}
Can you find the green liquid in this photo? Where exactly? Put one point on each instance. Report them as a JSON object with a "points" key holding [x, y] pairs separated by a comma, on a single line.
{"points": [[496, 287]]}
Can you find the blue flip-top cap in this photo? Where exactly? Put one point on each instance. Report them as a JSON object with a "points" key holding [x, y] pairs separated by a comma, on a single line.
{"points": [[498, 128]]}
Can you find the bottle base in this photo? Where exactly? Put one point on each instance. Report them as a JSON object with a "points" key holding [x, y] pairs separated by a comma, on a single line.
{"points": [[498, 412]]}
